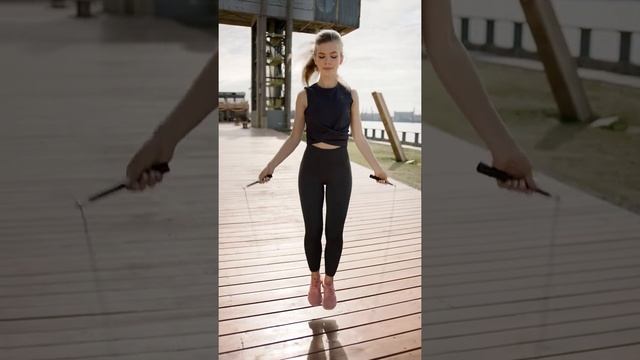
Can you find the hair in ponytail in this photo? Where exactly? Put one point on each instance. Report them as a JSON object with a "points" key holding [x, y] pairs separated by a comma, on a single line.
{"points": [[323, 36], [308, 70]]}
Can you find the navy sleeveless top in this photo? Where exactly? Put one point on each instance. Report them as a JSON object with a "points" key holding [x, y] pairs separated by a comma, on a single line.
{"points": [[328, 114]]}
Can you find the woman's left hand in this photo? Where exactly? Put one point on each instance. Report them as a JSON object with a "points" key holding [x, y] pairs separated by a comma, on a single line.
{"points": [[516, 164], [382, 175]]}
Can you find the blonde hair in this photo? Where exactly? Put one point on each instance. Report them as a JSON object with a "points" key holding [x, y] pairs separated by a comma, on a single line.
{"points": [[323, 36]]}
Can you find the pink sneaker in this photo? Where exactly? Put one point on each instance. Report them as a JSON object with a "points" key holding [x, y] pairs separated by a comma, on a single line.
{"points": [[314, 297], [329, 301]]}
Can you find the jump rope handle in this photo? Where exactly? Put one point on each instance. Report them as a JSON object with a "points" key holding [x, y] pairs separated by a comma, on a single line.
{"points": [[162, 168], [379, 178], [159, 167], [491, 171]]}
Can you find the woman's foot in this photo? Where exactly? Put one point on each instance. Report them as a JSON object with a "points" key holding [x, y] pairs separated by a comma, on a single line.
{"points": [[314, 297], [329, 300]]}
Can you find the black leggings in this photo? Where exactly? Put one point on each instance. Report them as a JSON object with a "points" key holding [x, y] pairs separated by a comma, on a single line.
{"points": [[319, 167]]}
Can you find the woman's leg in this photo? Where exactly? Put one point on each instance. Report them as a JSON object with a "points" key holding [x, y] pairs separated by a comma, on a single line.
{"points": [[311, 191], [338, 196]]}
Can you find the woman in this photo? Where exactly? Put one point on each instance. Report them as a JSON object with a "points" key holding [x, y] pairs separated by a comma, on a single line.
{"points": [[455, 70], [328, 108]]}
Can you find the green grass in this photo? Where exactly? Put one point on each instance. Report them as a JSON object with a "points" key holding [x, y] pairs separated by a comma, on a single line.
{"points": [[605, 163]]}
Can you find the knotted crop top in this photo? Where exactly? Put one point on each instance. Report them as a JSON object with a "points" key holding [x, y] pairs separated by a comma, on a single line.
{"points": [[328, 114]]}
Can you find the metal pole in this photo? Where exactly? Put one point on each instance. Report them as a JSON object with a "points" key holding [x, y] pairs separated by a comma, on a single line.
{"points": [[261, 56], [287, 65]]}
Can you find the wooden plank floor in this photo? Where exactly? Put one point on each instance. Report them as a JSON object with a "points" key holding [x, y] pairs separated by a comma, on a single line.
{"points": [[78, 97], [263, 274], [523, 277]]}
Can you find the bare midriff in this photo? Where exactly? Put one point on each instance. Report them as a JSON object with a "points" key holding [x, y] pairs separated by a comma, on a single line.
{"points": [[323, 145]]}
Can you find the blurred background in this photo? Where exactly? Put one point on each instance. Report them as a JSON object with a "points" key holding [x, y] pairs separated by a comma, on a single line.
{"points": [[82, 85], [509, 276], [603, 36]]}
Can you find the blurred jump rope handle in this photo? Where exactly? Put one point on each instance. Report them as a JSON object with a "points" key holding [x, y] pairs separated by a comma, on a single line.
{"points": [[162, 168], [379, 178], [268, 176], [491, 171]]}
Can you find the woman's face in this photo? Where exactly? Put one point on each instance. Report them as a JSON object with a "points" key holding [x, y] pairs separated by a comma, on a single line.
{"points": [[328, 57]]}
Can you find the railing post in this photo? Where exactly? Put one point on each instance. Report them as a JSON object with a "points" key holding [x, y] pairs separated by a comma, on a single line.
{"points": [[464, 30], [585, 43], [489, 38], [517, 37], [625, 47]]}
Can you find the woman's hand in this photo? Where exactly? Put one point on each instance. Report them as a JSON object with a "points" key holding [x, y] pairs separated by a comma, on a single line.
{"points": [[153, 151], [263, 178], [516, 164], [382, 175]]}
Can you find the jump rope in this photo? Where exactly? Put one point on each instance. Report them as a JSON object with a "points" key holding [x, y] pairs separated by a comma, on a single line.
{"points": [[386, 182], [481, 168], [503, 176], [161, 168]]}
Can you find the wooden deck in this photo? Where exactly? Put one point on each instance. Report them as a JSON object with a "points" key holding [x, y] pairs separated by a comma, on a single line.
{"points": [[495, 283], [507, 276], [263, 274], [78, 97]]}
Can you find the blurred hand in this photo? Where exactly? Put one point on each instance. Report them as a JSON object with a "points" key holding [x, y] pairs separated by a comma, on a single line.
{"points": [[153, 151], [263, 178], [516, 164], [382, 175]]}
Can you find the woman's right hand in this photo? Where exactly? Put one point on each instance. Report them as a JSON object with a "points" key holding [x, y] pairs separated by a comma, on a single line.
{"points": [[263, 178], [153, 151]]}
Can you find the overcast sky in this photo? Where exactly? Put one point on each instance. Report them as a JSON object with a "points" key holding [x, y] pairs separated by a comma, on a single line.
{"points": [[382, 55]]}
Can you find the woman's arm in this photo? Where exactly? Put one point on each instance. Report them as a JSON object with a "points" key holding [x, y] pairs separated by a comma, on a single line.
{"points": [[360, 140], [200, 100], [457, 73], [292, 141]]}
